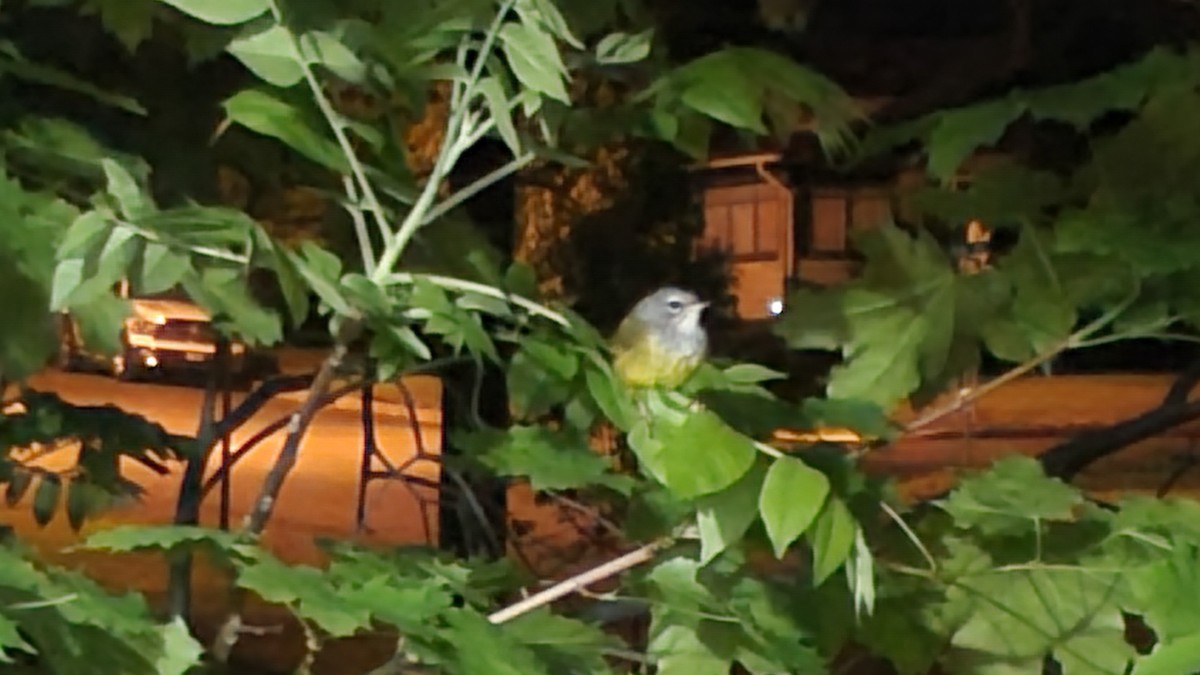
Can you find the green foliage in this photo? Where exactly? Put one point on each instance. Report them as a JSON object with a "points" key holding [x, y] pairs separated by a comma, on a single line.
{"points": [[551, 460], [61, 621], [1011, 569], [101, 437]]}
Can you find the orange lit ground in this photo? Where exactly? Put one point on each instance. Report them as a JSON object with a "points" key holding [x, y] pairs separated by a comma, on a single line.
{"points": [[318, 499]]}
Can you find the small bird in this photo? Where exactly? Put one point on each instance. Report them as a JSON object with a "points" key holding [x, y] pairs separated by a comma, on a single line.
{"points": [[660, 342]]}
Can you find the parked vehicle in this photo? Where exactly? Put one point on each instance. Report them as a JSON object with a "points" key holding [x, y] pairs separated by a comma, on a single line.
{"points": [[161, 335]]}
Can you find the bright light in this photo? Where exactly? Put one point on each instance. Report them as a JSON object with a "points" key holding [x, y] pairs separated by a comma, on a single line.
{"points": [[151, 361], [775, 306]]}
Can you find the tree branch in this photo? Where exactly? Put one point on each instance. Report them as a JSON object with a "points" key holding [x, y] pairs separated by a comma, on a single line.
{"points": [[1068, 459], [187, 504], [259, 398], [256, 521], [580, 581]]}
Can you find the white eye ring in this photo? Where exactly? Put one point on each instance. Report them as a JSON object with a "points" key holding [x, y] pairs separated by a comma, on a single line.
{"points": [[675, 305]]}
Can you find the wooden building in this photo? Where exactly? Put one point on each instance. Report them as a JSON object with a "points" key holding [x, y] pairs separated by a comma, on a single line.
{"points": [[780, 232]]}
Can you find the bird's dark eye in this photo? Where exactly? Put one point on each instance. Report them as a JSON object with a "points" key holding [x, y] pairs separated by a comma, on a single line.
{"points": [[675, 305]]}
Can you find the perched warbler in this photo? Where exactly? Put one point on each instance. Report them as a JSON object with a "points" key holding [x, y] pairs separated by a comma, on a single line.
{"points": [[660, 342]]}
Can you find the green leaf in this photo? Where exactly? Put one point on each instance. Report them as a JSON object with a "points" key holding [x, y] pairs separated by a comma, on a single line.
{"points": [[68, 275], [719, 88], [100, 322], [559, 641], [612, 398], [162, 268], [321, 270], [1171, 658], [83, 500], [620, 47], [814, 320], [18, 485], [84, 233], [1161, 592], [678, 650], [959, 132], [271, 54], [367, 295], [723, 517], [325, 49], [10, 639], [1008, 496], [133, 201], [882, 362], [203, 225], [129, 538], [547, 14], [693, 453], [493, 652], [792, 496], [180, 651], [552, 460], [403, 602], [534, 58], [832, 538], [500, 111], [751, 373], [1099, 650], [224, 13], [268, 115], [307, 590], [226, 295], [541, 375], [45, 499], [131, 22], [1026, 613]]}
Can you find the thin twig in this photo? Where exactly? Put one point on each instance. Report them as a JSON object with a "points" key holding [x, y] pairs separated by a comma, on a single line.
{"points": [[339, 129], [266, 432], [912, 536], [984, 389], [590, 512], [446, 154], [264, 505], [581, 581], [365, 248], [463, 285], [479, 185]]}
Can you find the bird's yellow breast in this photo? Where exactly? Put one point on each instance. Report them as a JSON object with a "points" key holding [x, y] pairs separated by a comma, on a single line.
{"points": [[645, 364]]}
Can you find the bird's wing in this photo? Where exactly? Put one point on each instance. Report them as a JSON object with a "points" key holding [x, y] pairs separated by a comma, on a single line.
{"points": [[625, 337]]}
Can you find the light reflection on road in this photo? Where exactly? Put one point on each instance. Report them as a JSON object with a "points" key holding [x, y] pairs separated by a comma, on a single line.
{"points": [[318, 500]]}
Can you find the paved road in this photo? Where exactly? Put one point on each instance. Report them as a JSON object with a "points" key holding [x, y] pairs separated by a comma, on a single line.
{"points": [[318, 500]]}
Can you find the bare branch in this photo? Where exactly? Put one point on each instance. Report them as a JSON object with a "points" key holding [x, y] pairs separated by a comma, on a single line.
{"points": [[1068, 459], [579, 582]]}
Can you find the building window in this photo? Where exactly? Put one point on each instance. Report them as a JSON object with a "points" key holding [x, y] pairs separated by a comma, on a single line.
{"points": [[837, 213], [745, 221]]}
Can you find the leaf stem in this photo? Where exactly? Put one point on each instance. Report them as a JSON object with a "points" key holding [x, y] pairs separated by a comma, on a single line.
{"points": [[1075, 340], [334, 119], [482, 183], [455, 284], [452, 147], [912, 536], [365, 248]]}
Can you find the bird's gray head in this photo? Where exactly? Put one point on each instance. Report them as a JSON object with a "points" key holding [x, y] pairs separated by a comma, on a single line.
{"points": [[673, 315]]}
